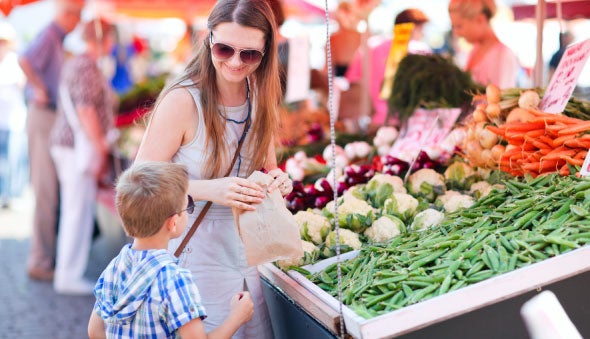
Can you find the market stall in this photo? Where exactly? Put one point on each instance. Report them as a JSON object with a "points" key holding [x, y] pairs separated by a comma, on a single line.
{"points": [[452, 245]]}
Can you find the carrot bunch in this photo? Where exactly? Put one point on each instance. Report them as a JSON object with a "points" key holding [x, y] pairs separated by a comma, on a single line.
{"points": [[545, 143]]}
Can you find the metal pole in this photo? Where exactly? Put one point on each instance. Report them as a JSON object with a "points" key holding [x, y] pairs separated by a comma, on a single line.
{"points": [[540, 14]]}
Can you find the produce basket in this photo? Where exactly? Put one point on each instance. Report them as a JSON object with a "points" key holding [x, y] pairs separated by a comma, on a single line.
{"points": [[467, 299]]}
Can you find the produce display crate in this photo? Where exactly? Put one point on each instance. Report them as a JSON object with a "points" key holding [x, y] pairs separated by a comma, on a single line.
{"points": [[459, 310]]}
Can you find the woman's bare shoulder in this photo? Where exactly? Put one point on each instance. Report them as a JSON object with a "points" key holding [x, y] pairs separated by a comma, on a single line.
{"points": [[177, 99]]}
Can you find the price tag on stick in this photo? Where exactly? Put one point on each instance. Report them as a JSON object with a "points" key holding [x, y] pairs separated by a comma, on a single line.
{"points": [[564, 80], [586, 166]]}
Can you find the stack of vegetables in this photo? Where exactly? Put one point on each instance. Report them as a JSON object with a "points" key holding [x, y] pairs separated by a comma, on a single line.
{"points": [[385, 206], [543, 143], [512, 227], [508, 131]]}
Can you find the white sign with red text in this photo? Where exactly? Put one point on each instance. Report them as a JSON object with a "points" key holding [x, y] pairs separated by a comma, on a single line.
{"points": [[566, 75]]}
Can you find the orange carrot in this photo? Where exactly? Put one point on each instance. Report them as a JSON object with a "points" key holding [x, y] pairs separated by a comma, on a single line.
{"points": [[577, 143], [497, 130], [581, 155], [546, 139], [538, 144], [560, 140], [558, 152], [524, 126], [582, 126], [564, 170], [572, 161]]}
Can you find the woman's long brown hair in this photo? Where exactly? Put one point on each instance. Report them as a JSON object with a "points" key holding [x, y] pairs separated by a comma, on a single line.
{"points": [[265, 87]]}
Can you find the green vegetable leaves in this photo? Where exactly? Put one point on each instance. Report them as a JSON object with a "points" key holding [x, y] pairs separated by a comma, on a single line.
{"points": [[429, 81]]}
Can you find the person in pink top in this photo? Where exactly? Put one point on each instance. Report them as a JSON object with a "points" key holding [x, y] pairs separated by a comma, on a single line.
{"points": [[490, 61], [377, 53]]}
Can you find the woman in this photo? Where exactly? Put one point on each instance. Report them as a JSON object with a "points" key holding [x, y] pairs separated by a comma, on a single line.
{"points": [[198, 121], [86, 94], [490, 61]]}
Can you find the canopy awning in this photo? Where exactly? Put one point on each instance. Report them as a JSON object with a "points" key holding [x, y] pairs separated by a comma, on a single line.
{"points": [[6, 6], [570, 9], [185, 9]]}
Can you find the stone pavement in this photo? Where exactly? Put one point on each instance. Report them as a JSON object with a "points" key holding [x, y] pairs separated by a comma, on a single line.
{"points": [[31, 309]]}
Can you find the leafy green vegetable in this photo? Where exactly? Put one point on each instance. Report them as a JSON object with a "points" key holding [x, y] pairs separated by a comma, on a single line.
{"points": [[429, 81]]}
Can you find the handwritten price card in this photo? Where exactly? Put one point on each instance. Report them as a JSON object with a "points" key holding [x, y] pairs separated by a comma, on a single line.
{"points": [[566, 75], [424, 130]]}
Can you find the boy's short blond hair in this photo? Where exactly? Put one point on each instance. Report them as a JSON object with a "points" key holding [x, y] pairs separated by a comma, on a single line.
{"points": [[148, 193]]}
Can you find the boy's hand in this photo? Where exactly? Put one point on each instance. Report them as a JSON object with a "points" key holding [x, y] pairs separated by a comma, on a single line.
{"points": [[242, 307]]}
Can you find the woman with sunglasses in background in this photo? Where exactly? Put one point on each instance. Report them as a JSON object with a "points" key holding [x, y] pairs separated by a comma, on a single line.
{"points": [[229, 91]]}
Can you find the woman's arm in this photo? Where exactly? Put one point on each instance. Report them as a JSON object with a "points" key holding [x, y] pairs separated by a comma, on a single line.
{"points": [[281, 179], [173, 124]]}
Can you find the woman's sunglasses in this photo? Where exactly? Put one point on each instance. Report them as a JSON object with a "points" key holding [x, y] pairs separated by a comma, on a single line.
{"points": [[190, 207], [224, 52]]}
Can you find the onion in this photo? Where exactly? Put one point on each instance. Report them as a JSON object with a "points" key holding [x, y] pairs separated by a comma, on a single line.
{"points": [[497, 151], [487, 158], [529, 99], [492, 94], [518, 114], [479, 116], [493, 111], [487, 138], [473, 152]]}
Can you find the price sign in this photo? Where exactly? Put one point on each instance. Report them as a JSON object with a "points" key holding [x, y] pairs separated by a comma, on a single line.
{"points": [[564, 79], [586, 166], [424, 129]]}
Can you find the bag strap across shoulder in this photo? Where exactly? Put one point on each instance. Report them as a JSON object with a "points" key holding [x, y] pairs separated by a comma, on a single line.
{"points": [[201, 215]]}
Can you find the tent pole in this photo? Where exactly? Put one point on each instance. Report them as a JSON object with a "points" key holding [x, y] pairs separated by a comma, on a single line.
{"points": [[540, 14]]}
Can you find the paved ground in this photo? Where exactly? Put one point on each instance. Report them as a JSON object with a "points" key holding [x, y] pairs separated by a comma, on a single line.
{"points": [[30, 309]]}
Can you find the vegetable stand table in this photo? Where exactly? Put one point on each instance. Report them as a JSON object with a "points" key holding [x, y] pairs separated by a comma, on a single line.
{"points": [[488, 309]]}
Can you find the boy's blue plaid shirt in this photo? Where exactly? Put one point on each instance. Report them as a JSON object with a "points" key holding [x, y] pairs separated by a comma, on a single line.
{"points": [[145, 294]]}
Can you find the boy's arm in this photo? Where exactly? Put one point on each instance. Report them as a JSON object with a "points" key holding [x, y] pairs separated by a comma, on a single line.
{"points": [[195, 329], [96, 327], [241, 312]]}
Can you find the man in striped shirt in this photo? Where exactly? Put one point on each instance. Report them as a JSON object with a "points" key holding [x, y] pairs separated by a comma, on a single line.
{"points": [[143, 292]]}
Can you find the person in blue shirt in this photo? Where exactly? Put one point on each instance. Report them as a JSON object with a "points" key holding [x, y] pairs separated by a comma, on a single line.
{"points": [[143, 292], [42, 63]]}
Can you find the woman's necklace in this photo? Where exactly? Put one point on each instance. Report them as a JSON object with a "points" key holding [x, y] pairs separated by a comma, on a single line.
{"points": [[245, 121]]}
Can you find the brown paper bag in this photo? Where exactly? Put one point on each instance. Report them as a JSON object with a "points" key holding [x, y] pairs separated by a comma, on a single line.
{"points": [[270, 232]]}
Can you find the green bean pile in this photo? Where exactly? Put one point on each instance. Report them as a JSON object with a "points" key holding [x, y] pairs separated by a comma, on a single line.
{"points": [[523, 223]]}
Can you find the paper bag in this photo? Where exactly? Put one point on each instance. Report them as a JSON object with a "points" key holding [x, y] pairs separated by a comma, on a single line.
{"points": [[270, 232]]}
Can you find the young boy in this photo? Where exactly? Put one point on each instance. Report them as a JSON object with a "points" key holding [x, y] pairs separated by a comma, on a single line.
{"points": [[143, 292]]}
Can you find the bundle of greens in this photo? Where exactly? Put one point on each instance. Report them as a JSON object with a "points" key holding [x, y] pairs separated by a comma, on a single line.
{"points": [[429, 81]]}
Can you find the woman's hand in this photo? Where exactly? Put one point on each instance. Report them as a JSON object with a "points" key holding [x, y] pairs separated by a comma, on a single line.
{"points": [[281, 181], [235, 192]]}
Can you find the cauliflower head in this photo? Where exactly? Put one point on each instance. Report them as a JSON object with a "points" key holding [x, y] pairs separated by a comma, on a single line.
{"points": [[426, 219], [310, 255], [427, 183], [453, 201], [385, 228], [312, 226], [459, 175], [380, 178], [349, 241], [402, 205], [480, 189], [355, 214]]}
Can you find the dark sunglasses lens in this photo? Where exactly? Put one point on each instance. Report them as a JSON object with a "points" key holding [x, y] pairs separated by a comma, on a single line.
{"points": [[221, 51], [190, 208], [250, 56]]}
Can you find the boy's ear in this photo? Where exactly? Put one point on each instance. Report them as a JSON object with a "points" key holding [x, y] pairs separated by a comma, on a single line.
{"points": [[171, 223]]}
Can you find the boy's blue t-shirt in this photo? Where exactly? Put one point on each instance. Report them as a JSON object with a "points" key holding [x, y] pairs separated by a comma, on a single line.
{"points": [[146, 294]]}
